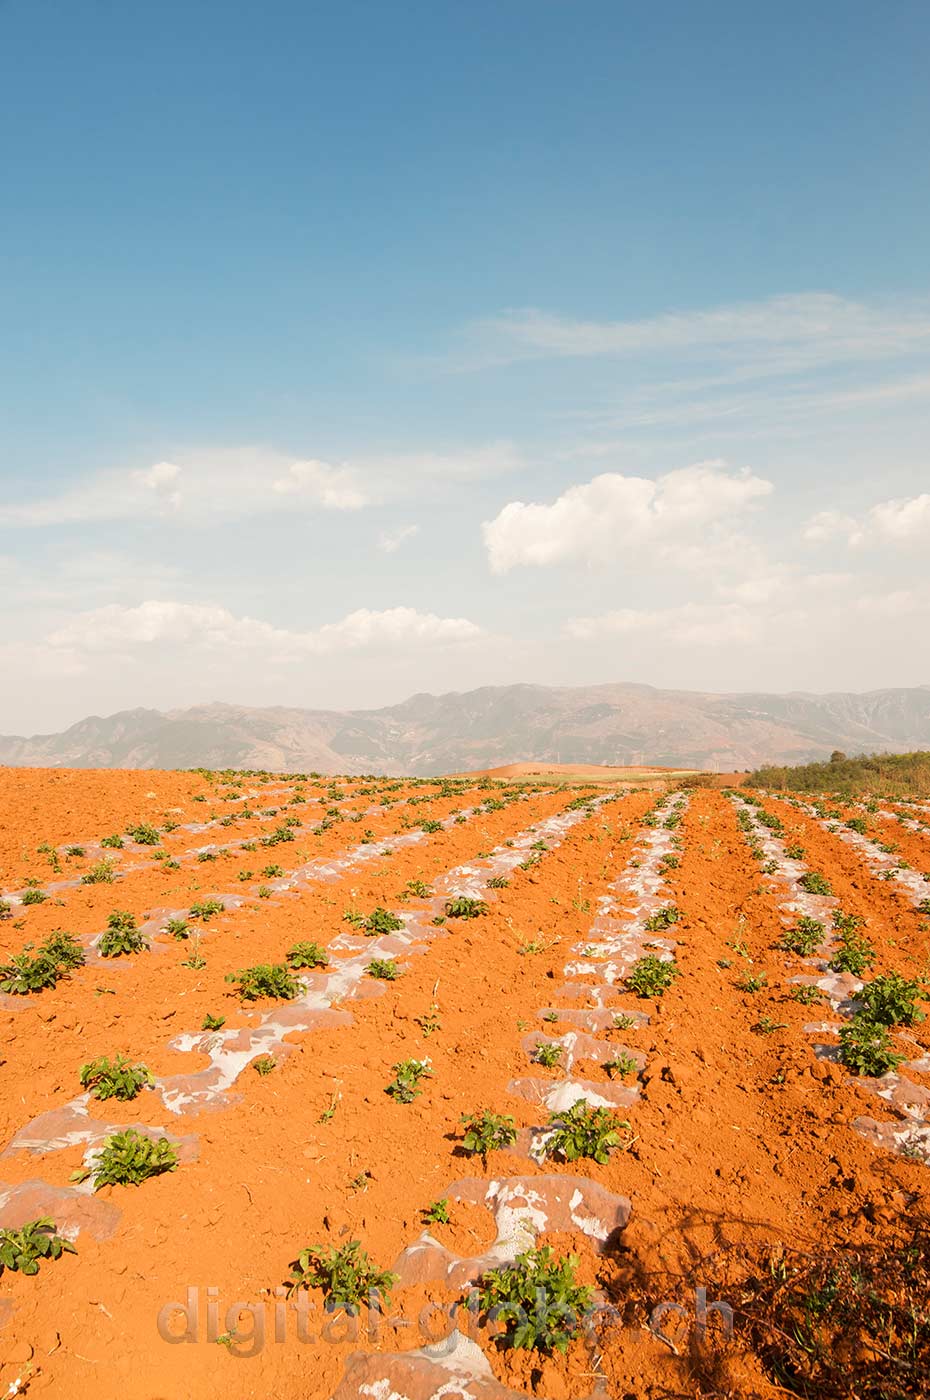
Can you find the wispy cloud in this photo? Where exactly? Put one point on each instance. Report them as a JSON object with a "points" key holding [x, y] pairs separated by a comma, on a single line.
{"points": [[390, 541], [245, 482], [798, 330]]}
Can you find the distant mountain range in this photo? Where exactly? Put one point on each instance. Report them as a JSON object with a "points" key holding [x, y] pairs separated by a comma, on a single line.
{"points": [[428, 734]]}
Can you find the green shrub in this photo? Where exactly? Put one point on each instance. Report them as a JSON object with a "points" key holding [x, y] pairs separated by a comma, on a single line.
{"points": [[121, 937], [23, 1250], [115, 1079], [536, 1301], [265, 980], [346, 1277], [583, 1131], [129, 1158]]}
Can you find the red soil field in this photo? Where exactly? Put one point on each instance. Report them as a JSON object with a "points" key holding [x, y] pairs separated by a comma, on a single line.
{"points": [[742, 1137]]}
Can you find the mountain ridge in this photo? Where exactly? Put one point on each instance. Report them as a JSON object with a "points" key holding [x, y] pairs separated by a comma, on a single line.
{"points": [[616, 722]]}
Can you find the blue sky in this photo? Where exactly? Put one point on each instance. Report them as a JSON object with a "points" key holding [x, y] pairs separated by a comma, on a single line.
{"points": [[354, 350]]}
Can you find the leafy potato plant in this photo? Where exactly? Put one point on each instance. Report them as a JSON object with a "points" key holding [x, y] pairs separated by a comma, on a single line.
{"points": [[265, 980], [121, 936], [115, 1079], [583, 1131], [535, 1301], [129, 1158], [346, 1277], [23, 1250]]}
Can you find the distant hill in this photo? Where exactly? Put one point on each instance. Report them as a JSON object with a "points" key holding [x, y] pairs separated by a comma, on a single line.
{"points": [[615, 724]]}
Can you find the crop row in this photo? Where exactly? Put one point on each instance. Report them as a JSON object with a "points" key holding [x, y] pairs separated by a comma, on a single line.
{"points": [[834, 944], [526, 1295]]}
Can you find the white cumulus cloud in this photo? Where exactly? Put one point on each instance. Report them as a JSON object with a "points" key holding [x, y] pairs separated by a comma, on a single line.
{"points": [[614, 515], [903, 521]]}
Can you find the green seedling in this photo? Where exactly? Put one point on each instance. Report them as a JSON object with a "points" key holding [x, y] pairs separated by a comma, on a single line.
{"points": [[583, 1131], [23, 1250], [548, 1054], [34, 896], [264, 1064], [114, 843], [805, 938], [405, 1086], [866, 1047], [127, 1159], [144, 834], [206, 909], [115, 1079], [652, 976], [178, 928], [346, 1277], [854, 955], [265, 980], [212, 1023], [487, 1132], [815, 883], [121, 936], [99, 874], [307, 955], [381, 921], [384, 969], [891, 1000], [806, 994], [621, 1065], [464, 907], [663, 918], [498, 882], [536, 1302], [437, 1213]]}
